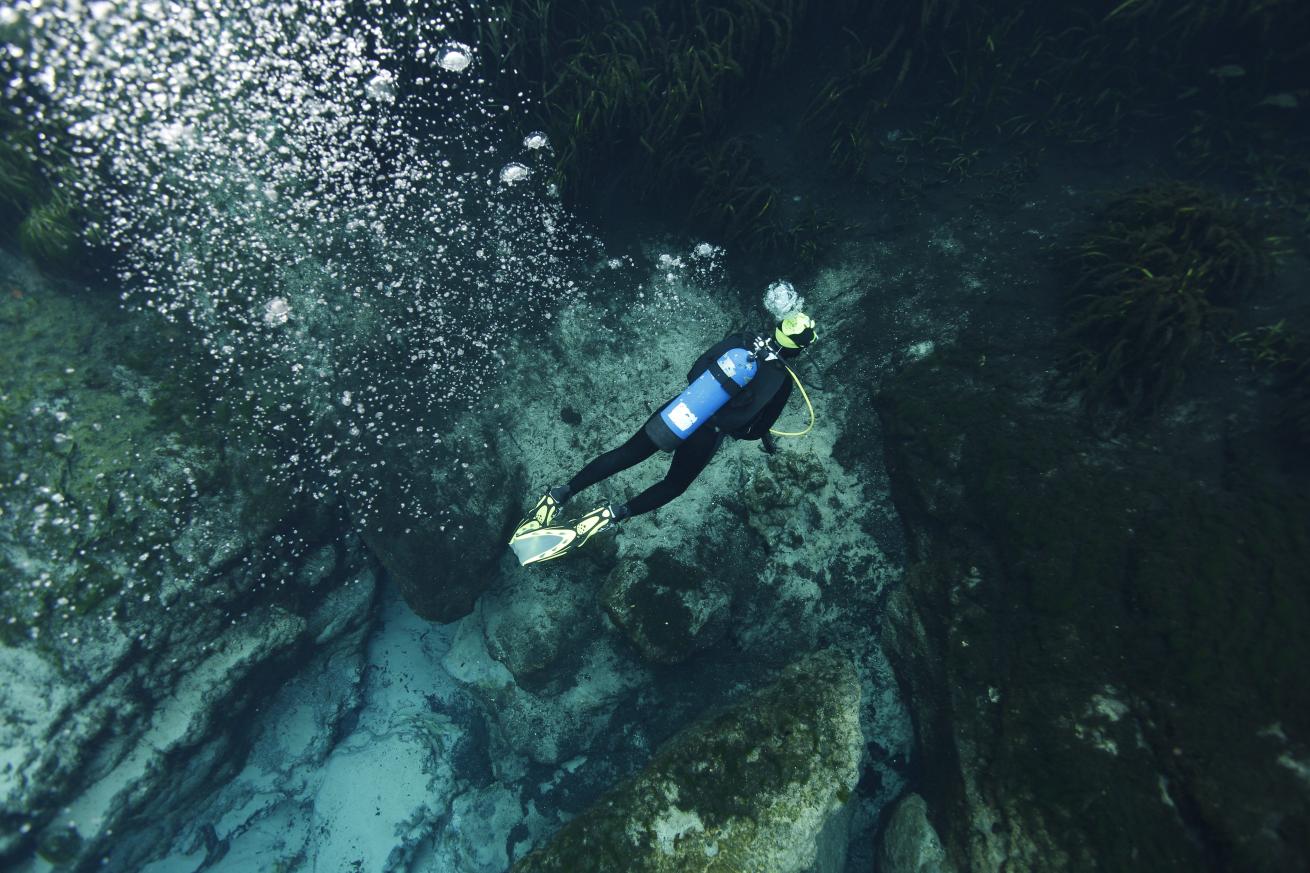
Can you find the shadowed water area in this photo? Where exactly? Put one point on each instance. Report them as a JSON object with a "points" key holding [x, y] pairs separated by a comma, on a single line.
{"points": [[303, 306]]}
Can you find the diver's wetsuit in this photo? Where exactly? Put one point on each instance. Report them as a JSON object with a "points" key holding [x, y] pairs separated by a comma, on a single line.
{"points": [[748, 416]]}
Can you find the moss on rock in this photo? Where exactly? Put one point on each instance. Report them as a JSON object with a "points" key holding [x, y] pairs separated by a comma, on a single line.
{"points": [[94, 484], [668, 609], [776, 497], [1103, 653], [749, 788]]}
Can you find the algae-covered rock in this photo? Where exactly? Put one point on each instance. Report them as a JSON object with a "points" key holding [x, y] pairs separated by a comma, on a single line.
{"points": [[1102, 643], [537, 617], [157, 581], [749, 788], [559, 716], [668, 609], [909, 843], [778, 499]]}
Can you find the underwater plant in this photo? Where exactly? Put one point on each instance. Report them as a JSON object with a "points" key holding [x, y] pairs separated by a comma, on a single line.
{"points": [[1153, 282], [650, 88], [47, 233], [20, 181], [1283, 352], [35, 186], [1295, 419], [651, 91]]}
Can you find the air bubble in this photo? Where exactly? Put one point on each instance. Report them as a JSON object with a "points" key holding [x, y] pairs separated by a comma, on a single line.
{"points": [[277, 311], [455, 56], [514, 172], [382, 87]]}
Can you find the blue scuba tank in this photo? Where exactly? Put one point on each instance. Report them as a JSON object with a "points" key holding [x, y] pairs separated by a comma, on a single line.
{"points": [[707, 393]]}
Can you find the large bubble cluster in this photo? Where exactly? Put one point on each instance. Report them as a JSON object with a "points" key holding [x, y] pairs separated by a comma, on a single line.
{"points": [[323, 197]]}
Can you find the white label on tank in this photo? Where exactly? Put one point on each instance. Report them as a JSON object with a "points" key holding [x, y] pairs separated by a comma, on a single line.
{"points": [[682, 416], [727, 366]]}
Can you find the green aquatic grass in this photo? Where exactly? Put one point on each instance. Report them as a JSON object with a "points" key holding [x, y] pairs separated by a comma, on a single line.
{"points": [[657, 87], [1152, 285], [48, 234], [51, 223], [1284, 352]]}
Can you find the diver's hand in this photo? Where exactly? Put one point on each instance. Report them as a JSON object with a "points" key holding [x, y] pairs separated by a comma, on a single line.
{"points": [[768, 444]]}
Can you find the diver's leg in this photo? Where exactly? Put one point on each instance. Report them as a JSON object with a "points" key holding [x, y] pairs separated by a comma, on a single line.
{"points": [[689, 459], [637, 449]]}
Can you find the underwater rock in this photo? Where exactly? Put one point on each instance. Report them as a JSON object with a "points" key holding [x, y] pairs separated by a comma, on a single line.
{"points": [[748, 788], [549, 724], [439, 567], [776, 500], [667, 609], [536, 617], [1101, 642], [369, 758], [909, 843], [209, 799], [156, 599], [443, 547], [60, 845]]}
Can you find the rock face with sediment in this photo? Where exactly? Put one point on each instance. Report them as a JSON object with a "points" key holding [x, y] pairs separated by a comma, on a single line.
{"points": [[909, 842], [1101, 642], [667, 609], [548, 690], [779, 503], [442, 547], [749, 788], [155, 595]]}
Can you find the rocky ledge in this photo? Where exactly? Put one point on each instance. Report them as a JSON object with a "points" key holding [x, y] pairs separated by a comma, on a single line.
{"points": [[157, 588]]}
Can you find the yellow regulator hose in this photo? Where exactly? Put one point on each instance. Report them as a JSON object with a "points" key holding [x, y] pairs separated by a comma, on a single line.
{"points": [[808, 405]]}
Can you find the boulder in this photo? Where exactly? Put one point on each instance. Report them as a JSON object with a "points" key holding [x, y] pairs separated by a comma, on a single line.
{"points": [[550, 723], [667, 609], [539, 618], [748, 788], [909, 843], [443, 544]]}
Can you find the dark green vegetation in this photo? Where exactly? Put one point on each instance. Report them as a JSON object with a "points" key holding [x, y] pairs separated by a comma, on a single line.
{"points": [[653, 89], [657, 98], [38, 205], [1153, 287], [1282, 351], [1105, 642]]}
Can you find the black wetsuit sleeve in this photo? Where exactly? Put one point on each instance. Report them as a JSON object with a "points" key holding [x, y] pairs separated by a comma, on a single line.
{"points": [[767, 416]]}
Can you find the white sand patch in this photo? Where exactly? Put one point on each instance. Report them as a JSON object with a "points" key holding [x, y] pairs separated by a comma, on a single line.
{"points": [[672, 824]]}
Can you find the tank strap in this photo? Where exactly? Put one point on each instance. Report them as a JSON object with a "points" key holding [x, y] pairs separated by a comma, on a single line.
{"points": [[724, 379]]}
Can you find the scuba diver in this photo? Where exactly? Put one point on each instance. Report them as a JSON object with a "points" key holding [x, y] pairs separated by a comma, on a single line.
{"points": [[737, 388]]}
